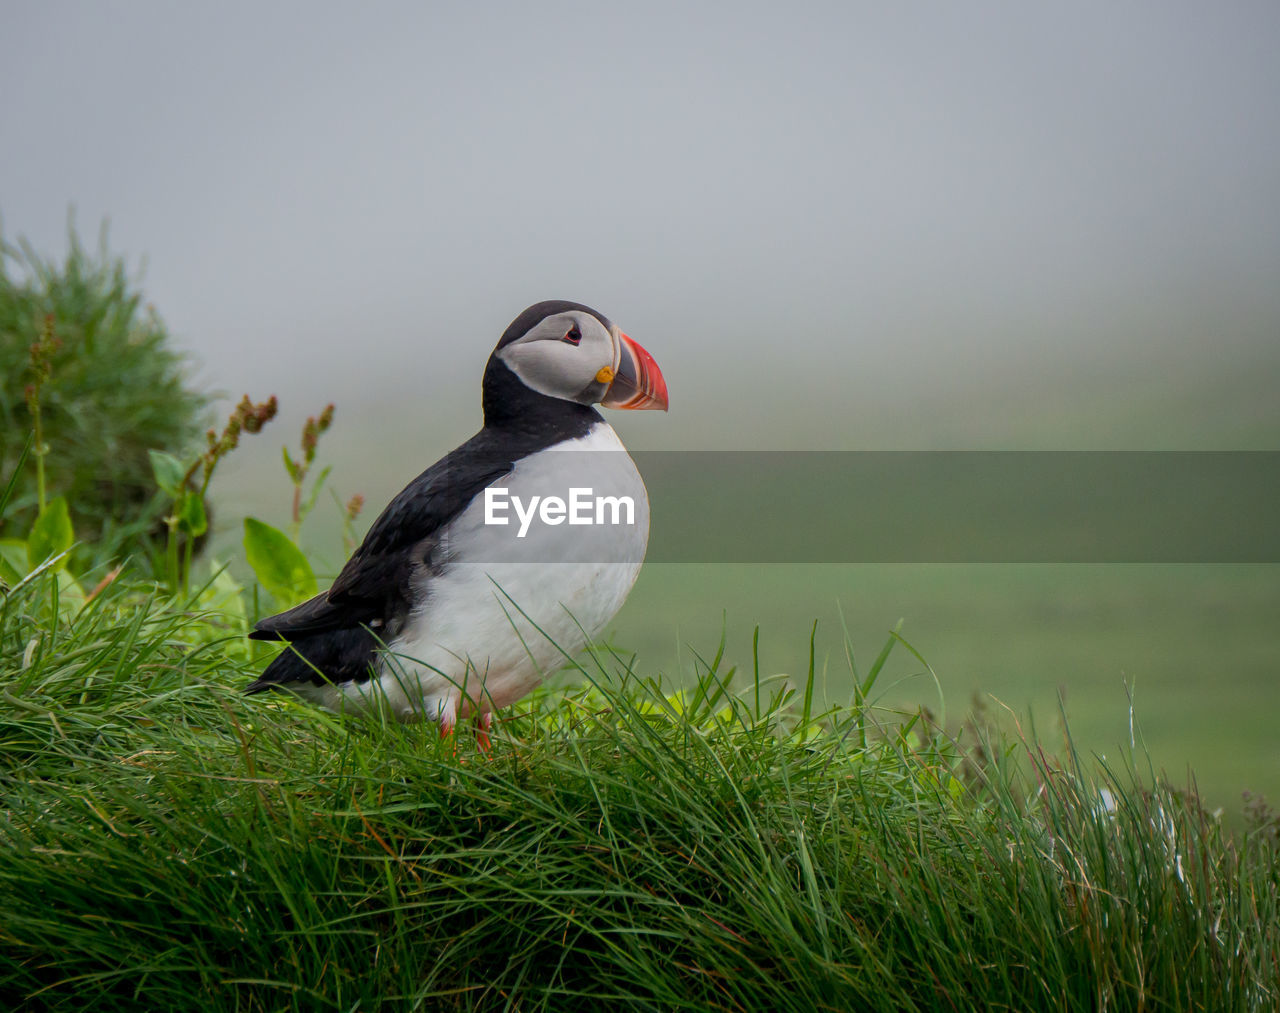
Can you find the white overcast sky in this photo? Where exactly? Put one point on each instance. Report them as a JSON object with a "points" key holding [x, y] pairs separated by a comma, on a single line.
{"points": [[834, 225]]}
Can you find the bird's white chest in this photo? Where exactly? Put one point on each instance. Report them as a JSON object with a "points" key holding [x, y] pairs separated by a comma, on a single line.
{"points": [[532, 568]]}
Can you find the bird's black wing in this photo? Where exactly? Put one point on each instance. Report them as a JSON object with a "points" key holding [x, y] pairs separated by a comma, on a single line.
{"points": [[404, 535], [335, 635]]}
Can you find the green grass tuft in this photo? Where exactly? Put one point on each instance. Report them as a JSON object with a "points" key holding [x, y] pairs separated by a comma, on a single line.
{"points": [[116, 389], [170, 844]]}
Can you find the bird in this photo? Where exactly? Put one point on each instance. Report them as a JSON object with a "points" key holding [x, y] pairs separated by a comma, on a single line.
{"points": [[501, 560]]}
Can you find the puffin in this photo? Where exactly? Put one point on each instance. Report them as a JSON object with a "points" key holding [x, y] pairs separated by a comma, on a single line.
{"points": [[498, 563]]}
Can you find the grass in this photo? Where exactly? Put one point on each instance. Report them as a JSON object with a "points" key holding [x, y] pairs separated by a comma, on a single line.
{"points": [[169, 843], [1195, 646]]}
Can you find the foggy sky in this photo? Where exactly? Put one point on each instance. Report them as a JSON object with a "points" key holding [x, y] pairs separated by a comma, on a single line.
{"points": [[834, 225]]}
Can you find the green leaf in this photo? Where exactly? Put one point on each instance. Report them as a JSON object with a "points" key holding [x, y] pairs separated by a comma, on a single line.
{"points": [[51, 534], [169, 472], [280, 565], [13, 560], [13, 479], [71, 596], [294, 469], [190, 513], [310, 504], [223, 595]]}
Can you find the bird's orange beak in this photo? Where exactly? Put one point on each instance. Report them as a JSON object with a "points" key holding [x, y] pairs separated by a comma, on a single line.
{"points": [[638, 383]]}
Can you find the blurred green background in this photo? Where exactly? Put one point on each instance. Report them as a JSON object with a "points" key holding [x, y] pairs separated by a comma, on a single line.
{"points": [[1193, 647]]}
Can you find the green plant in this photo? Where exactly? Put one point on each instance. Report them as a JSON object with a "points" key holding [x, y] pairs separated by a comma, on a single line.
{"points": [[40, 368], [350, 511], [171, 844], [51, 537], [187, 519], [115, 388], [299, 468], [276, 558]]}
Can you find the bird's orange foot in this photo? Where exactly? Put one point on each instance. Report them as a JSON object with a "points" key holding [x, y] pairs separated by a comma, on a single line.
{"points": [[483, 721], [447, 720]]}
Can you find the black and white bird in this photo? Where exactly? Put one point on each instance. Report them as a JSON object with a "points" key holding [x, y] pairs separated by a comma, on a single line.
{"points": [[468, 591]]}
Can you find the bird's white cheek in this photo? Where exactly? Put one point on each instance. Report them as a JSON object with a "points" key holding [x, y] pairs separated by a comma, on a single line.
{"points": [[557, 370]]}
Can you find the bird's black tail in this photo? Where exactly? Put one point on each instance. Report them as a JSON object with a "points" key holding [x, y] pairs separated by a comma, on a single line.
{"points": [[332, 656]]}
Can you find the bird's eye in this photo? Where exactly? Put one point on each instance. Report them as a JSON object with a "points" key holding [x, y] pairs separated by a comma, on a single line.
{"points": [[574, 336]]}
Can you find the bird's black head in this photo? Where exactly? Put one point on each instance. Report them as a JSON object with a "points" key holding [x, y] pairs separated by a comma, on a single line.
{"points": [[562, 357]]}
